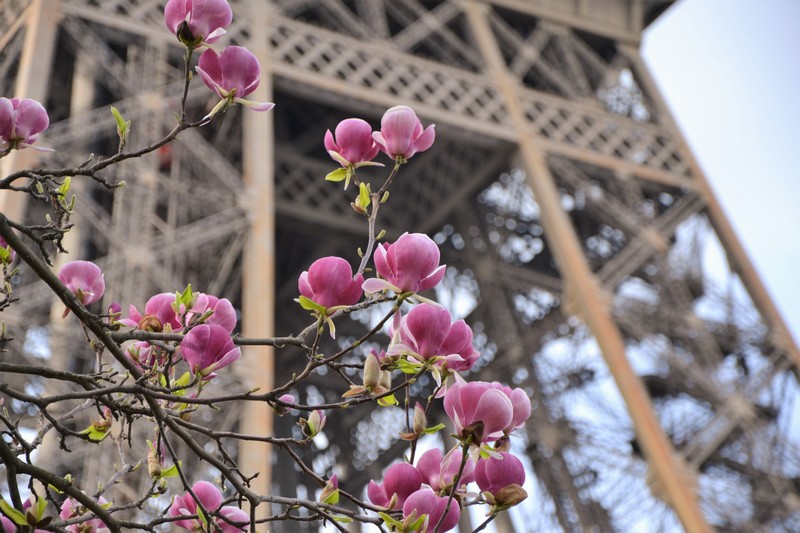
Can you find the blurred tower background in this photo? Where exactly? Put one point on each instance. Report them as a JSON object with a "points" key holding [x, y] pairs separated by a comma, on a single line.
{"points": [[575, 222]]}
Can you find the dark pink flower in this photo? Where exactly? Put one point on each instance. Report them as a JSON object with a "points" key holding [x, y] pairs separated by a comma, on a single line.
{"points": [[223, 312], [501, 479], [399, 481], [439, 472], [21, 122], [411, 264], [353, 144], [232, 74], [207, 348], [493, 474], [84, 279], [401, 134], [197, 21], [210, 497], [158, 314], [478, 409], [235, 515], [427, 332], [425, 502], [71, 509], [329, 283]]}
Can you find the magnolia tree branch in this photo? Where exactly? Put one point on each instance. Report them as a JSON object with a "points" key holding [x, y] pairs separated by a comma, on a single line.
{"points": [[139, 389]]}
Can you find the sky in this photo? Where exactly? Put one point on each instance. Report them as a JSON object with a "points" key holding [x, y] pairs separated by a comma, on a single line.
{"points": [[730, 72]]}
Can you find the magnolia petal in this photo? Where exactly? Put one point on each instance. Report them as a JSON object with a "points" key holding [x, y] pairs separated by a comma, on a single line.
{"points": [[255, 106], [373, 285]]}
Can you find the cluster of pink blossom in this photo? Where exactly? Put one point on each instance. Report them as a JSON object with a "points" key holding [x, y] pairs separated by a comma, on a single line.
{"points": [[232, 519], [207, 322], [234, 72], [71, 509], [428, 496]]}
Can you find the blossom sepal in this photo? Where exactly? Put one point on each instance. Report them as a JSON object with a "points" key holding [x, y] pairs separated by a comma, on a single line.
{"points": [[409, 524], [16, 516]]}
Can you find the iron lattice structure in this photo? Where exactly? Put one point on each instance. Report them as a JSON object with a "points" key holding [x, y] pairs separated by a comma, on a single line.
{"points": [[549, 132]]}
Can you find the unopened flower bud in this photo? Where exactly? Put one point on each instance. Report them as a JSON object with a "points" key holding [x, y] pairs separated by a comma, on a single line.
{"points": [[314, 424], [153, 464], [420, 420], [281, 410], [385, 379], [150, 323], [510, 495], [372, 372], [330, 493], [107, 420]]}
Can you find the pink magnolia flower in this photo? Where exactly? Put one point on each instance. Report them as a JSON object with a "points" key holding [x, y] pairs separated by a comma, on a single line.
{"points": [[71, 508], [211, 498], [411, 264], [11, 252], [439, 472], [197, 21], [8, 525], [223, 312], [234, 515], [399, 481], [501, 479], [354, 145], [493, 474], [208, 348], [158, 314], [521, 406], [479, 410], [425, 502], [233, 74], [427, 332], [401, 134], [84, 279], [21, 122], [329, 283]]}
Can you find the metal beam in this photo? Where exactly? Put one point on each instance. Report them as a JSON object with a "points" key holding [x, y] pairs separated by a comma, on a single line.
{"points": [[258, 268], [585, 289]]}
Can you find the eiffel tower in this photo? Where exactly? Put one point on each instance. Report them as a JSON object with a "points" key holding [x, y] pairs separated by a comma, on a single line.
{"points": [[573, 217]]}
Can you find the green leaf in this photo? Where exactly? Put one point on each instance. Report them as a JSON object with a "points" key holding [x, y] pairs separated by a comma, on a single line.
{"points": [[63, 189], [95, 433], [310, 305], [364, 196], [407, 367], [341, 518], [186, 297], [123, 126], [332, 498], [17, 517], [183, 381], [41, 505], [417, 524], [387, 401], [433, 429], [337, 175], [5, 254], [170, 472], [390, 521]]}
